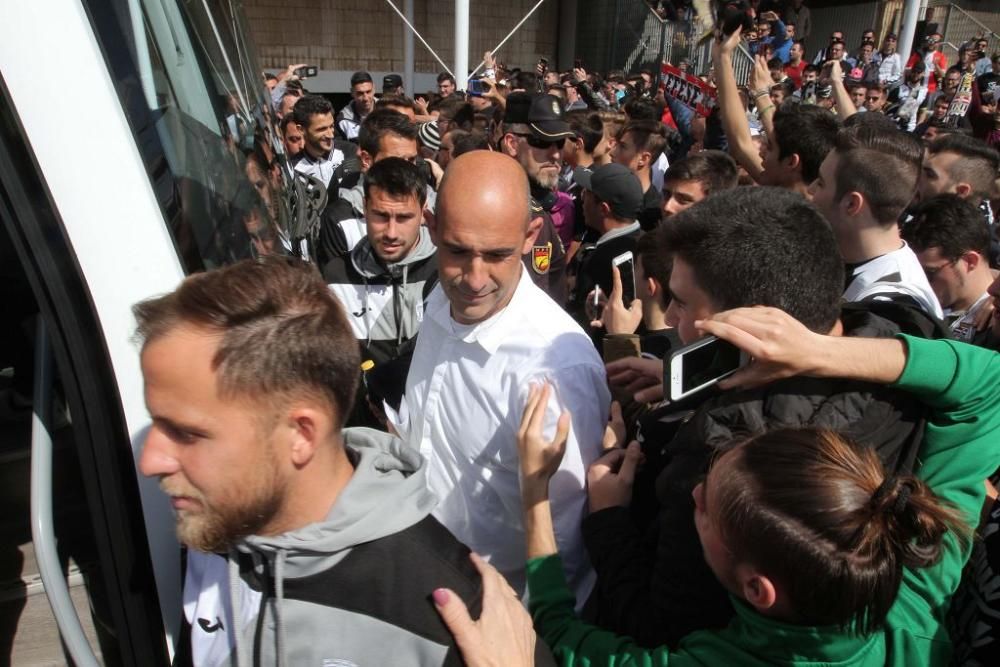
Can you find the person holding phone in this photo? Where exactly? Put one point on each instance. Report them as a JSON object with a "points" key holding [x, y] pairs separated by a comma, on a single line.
{"points": [[612, 196]]}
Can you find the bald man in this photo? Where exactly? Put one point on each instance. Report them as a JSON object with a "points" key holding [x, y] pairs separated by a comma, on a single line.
{"points": [[488, 333]]}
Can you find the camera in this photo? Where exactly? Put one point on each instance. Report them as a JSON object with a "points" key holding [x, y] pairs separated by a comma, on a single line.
{"points": [[733, 15], [307, 71]]}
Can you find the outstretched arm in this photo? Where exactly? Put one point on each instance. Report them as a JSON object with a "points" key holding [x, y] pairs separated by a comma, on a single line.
{"points": [[734, 121]]}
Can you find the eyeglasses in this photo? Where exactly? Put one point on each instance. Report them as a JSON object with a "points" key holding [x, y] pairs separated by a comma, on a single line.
{"points": [[931, 271], [872, 98], [542, 144]]}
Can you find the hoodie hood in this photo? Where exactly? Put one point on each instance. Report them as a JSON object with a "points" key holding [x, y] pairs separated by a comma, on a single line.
{"points": [[367, 263], [387, 493], [355, 196]]}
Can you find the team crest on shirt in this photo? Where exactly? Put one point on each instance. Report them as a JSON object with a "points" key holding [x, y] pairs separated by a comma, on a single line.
{"points": [[541, 258]]}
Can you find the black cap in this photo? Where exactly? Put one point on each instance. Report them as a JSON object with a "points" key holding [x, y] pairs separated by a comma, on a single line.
{"points": [[518, 105], [360, 77], [391, 81], [614, 184], [545, 118]]}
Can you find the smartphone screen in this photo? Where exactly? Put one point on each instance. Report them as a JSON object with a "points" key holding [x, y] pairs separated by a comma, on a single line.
{"points": [[627, 271], [476, 87], [705, 364]]}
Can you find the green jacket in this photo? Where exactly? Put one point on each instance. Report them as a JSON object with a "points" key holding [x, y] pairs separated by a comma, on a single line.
{"points": [[961, 385]]}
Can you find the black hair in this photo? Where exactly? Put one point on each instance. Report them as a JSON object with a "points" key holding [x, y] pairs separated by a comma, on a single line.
{"points": [[776, 63], [880, 163], [467, 142], [807, 131], [950, 223], [309, 106], [648, 135], [524, 80], [715, 170], [397, 177], [393, 100], [380, 123], [979, 165], [642, 108], [444, 76], [588, 126], [761, 246]]}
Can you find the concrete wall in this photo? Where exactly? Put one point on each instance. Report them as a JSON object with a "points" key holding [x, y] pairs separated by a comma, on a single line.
{"points": [[341, 36]]}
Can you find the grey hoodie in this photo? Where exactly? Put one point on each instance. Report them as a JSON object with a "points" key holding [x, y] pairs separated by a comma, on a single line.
{"points": [[310, 619]]}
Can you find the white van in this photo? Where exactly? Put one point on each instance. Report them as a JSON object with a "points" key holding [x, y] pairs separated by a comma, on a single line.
{"points": [[136, 146]]}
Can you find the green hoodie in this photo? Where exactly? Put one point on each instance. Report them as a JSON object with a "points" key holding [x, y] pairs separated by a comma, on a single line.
{"points": [[961, 385]]}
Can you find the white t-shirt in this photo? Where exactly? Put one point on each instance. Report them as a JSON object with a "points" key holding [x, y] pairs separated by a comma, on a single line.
{"points": [[893, 275]]}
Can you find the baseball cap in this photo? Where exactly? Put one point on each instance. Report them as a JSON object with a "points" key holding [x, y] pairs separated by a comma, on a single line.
{"points": [[614, 184], [360, 77], [392, 81], [545, 119], [516, 111]]}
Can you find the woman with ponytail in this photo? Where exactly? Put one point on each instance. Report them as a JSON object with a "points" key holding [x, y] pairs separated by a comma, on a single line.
{"points": [[828, 559]]}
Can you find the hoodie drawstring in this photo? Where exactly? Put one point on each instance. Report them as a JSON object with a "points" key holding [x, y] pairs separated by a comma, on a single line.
{"points": [[235, 602], [279, 594]]}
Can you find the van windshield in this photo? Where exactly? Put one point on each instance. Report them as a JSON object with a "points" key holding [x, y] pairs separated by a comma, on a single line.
{"points": [[196, 101]]}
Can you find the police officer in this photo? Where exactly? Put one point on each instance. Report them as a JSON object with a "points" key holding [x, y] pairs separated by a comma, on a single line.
{"points": [[533, 134]]}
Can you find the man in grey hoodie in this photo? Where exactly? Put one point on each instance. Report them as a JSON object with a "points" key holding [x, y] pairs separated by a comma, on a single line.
{"points": [[384, 281], [326, 553]]}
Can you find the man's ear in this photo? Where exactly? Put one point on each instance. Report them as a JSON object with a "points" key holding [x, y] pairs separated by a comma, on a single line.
{"points": [[366, 160], [431, 221], [534, 227], [645, 159], [605, 209], [759, 591], [306, 428], [652, 287], [963, 190], [853, 202], [793, 162], [508, 144], [972, 259]]}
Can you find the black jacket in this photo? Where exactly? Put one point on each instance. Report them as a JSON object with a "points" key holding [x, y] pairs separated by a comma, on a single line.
{"points": [[654, 585]]}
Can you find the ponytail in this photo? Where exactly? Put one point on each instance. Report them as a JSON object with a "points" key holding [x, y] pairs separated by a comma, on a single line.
{"points": [[818, 514]]}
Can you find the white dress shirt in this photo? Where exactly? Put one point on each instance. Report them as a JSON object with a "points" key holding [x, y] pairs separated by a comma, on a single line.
{"points": [[465, 395]]}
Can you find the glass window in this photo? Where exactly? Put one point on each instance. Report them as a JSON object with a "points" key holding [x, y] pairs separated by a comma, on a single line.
{"points": [[202, 117]]}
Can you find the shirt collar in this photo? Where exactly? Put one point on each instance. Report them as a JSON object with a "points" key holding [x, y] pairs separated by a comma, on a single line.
{"points": [[620, 231], [490, 333]]}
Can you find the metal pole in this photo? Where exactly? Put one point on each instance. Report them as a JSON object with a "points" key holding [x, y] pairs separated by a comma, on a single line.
{"points": [[910, 17], [461, 43], [408, 82]]}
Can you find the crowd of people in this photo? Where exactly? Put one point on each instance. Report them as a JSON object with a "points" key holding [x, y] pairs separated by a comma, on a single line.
{"points": [[450, 358]]}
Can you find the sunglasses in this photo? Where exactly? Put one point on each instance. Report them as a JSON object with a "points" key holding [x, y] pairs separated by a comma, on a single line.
{"points": [[542, 144]]}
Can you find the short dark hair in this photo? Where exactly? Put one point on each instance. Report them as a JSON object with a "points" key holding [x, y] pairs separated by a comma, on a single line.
{"points": [[649, 135], [397, 177], [309, 106], [715, 170], [381, 122], [807, 131], [950, 223], [586, 125], [776, 63], [837, 41], [761, 246], [444, 76], [642, 108], [467, 142], [881, 164], [979, 165], [360, 77], [392, 100], [524, 80], [284, 333]]}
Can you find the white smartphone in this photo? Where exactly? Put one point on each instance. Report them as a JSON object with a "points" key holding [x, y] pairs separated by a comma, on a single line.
{"points": [[700, 365], [626, 267]]}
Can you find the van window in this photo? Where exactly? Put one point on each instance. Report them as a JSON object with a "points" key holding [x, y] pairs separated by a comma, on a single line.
{"points": [[195, 99]]}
